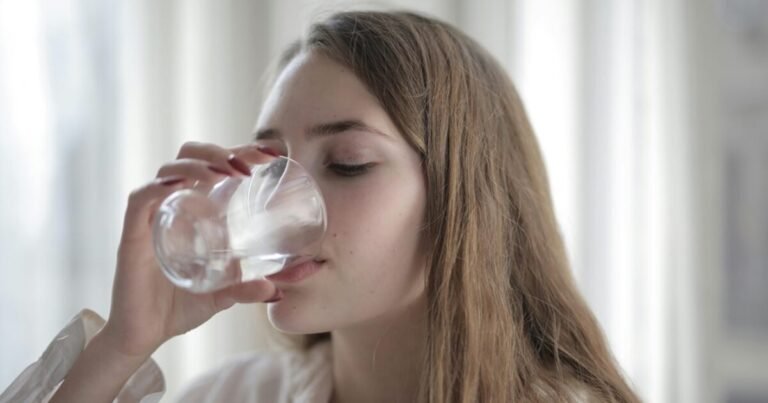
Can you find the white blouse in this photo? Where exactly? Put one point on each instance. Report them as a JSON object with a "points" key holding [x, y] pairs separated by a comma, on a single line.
{"points": [[296, 377]]}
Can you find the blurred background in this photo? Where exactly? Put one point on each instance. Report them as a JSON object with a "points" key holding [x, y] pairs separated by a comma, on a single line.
{"points": [[652, 115]]}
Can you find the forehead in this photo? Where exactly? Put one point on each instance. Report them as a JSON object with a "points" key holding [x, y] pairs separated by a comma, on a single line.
{"points": [[315, 87]]}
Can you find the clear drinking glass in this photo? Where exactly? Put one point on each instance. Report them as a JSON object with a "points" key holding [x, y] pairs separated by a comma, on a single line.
{"points": [[241, 228]]}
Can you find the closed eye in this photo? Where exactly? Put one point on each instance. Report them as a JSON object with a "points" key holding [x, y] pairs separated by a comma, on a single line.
{"points": [[350, 170]]}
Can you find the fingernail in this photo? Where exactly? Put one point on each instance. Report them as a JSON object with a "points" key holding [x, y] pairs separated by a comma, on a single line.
{"points": [[268, 151], [171, 180], [277, 297], [219, 171], [238, 164]]}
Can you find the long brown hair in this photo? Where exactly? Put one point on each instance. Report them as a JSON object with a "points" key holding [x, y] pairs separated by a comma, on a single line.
{"points": [[506, 322]]}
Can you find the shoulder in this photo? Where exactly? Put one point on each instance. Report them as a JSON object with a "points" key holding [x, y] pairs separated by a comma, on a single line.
{"points": [[268, 376]]}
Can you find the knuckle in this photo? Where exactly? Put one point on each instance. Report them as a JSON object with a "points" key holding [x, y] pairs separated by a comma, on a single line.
{"points": [[165, 168], [188, 147], [137, 194]]}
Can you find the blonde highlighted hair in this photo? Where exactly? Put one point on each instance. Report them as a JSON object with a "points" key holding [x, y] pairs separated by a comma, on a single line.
{"points": [[506, 322]]}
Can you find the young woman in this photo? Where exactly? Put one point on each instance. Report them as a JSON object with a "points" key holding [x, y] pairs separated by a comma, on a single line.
{"points": [[443, 277]]}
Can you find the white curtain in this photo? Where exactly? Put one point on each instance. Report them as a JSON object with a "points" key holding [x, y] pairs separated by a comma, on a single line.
{"points": [[95, 95], [60, 200]]}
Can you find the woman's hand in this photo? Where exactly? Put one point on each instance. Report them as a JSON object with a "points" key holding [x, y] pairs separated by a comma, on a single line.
{"points": [[147, 309]]}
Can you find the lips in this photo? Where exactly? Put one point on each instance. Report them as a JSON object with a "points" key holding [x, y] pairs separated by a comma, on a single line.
{"points": [[296, 273]]}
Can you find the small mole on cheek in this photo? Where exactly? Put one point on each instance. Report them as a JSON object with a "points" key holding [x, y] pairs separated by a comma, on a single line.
{"points": [[334, 235]]}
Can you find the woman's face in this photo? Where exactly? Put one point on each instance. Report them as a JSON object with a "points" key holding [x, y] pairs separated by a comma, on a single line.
{"points": [[374, 193]]}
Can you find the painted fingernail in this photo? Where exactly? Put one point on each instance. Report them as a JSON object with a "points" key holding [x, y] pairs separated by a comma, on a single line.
{"points": [[268, 151], [238, 164], [219, 171], [277, 297], [171, 180]]}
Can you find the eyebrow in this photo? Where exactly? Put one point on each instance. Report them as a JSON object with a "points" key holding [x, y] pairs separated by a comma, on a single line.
{"points": [[324, 129]]}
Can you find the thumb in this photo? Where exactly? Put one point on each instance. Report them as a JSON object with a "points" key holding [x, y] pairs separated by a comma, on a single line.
{"points": [[248, 292]]}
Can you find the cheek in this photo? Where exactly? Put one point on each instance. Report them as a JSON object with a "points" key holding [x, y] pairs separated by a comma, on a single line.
{"points": [[374, 225]]}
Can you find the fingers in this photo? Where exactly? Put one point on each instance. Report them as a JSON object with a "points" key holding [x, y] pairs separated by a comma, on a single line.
{"points": [[236, 159], [248, 292], [196, 161], [143, 201], [214, 154], [195, 169], [257, 153], [217, 157]]}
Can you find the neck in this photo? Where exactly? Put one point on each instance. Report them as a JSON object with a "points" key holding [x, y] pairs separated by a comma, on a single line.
{"points": [[380, 361]]}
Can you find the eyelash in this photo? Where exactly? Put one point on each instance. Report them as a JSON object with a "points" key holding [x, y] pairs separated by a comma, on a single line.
{"points": [[350, 170]]}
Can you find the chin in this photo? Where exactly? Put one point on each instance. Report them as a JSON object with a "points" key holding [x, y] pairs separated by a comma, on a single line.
{"points": [[289, 317]]}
